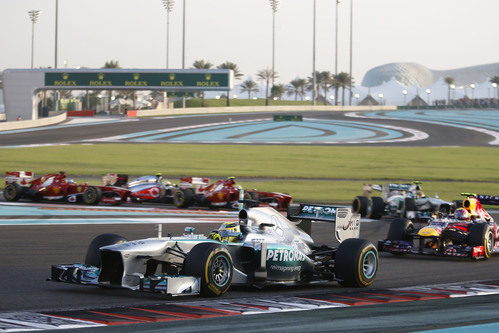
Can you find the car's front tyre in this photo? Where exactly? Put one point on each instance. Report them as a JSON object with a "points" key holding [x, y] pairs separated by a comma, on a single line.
{"points": [[212, 263]]}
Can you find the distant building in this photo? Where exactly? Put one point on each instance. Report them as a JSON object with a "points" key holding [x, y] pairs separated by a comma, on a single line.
{"points": [[412, 74]]}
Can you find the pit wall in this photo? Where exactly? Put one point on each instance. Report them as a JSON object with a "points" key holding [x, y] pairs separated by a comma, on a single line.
{"points": [[244, 109], [22, 124]]}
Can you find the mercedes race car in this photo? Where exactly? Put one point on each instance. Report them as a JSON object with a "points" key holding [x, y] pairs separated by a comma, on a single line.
{"points": [[469, 232], [223, 194], [145, 188], [262, 248], [22, 184], [401, 200]]}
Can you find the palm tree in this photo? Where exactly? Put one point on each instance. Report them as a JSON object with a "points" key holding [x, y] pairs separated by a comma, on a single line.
{"points": [[495, 80], [297, 87], [277, 90], [450, 81], [237, 73], [201, 64], [267, 75], [343, 80], [248, 86]]}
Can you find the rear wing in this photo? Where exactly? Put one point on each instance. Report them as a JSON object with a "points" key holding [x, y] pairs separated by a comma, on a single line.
{"points": [[488, 199], [22, 178], [347, 224]]}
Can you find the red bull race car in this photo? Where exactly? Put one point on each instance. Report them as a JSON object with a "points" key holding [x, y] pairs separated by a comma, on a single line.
{"points": [[469, 232], [223, 194], [57, 187]]}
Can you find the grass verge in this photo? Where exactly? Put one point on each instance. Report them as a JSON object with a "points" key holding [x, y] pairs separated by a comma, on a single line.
{"points": [[333, 173]]}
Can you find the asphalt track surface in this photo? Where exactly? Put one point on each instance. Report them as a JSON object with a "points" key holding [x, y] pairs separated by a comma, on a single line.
{"points": [[27, 252], [442, 131]]}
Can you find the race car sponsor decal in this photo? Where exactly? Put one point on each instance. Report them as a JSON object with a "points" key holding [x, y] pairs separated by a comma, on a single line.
{"points": [[175, 311], [281, 255]]}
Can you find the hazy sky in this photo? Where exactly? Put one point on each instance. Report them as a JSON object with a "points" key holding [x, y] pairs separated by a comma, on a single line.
{"points": [[440, 34]]}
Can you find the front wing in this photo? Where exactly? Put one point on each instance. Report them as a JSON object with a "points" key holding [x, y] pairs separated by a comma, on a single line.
{"points": [[165, 284], [408, 247]]}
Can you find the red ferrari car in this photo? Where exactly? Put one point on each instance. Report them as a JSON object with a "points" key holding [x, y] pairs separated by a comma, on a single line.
{"points": [[223, 193], [21, 184]]}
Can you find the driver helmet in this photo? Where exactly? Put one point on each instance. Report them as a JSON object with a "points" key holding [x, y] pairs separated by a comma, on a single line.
{"points": [[227, 233], [232, 179], [462, 214], [70, 181]]}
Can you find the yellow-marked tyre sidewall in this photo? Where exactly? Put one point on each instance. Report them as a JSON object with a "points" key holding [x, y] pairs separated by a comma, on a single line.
{"points": [[362, 279], [209, 288], [349, 263]]}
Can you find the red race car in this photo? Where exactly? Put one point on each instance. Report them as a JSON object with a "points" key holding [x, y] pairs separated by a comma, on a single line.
{"points": [[21, 184], [223, 193]]}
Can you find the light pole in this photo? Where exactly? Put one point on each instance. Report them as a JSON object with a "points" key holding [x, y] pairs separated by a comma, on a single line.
{"points": [[168, 4], [428, 92], [183, 46], [33, 15], [351, 51], [494, 85], [380, 95], [452, 87], [56, 98], [404, 92], [357, 96], [336, 48], [275, 6], [314, 74]]}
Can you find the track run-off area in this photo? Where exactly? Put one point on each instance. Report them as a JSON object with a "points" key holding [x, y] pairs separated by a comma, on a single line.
{"points": [[398, 128]]}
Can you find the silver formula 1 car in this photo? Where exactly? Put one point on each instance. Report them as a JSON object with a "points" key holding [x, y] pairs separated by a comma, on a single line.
{"points": [[401, 200], [262, 248]]}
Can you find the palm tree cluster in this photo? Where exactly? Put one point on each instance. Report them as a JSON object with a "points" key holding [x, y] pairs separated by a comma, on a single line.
{"points": [[201, 64]]}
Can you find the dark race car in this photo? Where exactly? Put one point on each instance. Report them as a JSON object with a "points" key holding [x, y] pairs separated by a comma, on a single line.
{"points": [[223, 194], [262, 248], [469, 232], [57, 187], [400, 200]]}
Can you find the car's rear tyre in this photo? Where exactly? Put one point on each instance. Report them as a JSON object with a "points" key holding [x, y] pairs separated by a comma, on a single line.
{"points": [[93, 257], [359, 205], [92, 195], [212, 263], [182, 198], [400, 229], [356, 263], [377, 208], [481, 235], [12, 192], [409, 206]]}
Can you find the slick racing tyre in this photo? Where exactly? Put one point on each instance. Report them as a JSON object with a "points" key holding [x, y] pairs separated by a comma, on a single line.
{"points": [[400, 229], [93, 257], [481, 235], [356, 263], [409, 206], [212, 263], [12, 192], [92, 195], [359, 205], [377, 208], [183, 198]]}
